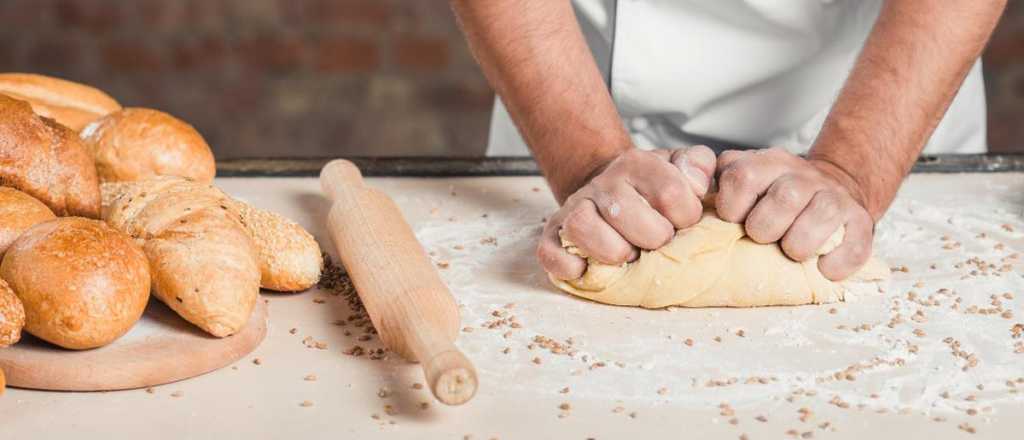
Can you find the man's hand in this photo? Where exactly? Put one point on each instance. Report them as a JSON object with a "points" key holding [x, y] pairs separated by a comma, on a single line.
{"points": [[637, 201], [798, 202]]}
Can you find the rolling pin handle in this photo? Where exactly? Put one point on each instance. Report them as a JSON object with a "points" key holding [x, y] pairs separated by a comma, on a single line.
{"points": [[449, 374], [339, 173]]}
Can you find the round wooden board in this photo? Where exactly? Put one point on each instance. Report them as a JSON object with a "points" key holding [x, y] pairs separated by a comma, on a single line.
{"points": [[161, 348]]}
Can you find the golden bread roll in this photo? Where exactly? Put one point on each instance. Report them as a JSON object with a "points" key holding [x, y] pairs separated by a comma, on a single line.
{"points": [[83, 284], [71, 104], [203, 263], [139, 143], [12, 316], [18, 212], [290, 259], [47, 161]]}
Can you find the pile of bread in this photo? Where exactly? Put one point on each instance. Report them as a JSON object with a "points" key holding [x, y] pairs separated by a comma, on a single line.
{"points": [[101, 205]]}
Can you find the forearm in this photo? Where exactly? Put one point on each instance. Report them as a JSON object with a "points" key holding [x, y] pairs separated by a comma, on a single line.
{"points": [[534, 55], [909, 71]]}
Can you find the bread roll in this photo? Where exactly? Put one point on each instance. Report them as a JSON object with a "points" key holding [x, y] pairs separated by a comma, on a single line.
{"points": [[290, 259], [12, 316], [83, 284], [71, 104], [139, 143], [47, 161], [203, 263], [18, 212]]}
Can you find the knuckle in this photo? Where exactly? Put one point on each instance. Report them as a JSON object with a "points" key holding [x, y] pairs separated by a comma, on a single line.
{"points": [[787, 195], [577, 223], [669, 195], [827, 204], [777, 152], [738, 177]]}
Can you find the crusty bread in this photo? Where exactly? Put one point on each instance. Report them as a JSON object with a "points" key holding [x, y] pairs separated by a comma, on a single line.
{"points": [[139, 143], [18, 212], [203, 263], [47, 161], [71, 104], [289, 257], [12, 316], [83, 284]]}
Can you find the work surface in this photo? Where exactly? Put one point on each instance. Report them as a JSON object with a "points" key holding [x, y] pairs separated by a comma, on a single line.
{"points": [[936, 355]]}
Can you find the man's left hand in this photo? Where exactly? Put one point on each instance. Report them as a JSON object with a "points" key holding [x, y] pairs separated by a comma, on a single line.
{"points": [[781, 197]]}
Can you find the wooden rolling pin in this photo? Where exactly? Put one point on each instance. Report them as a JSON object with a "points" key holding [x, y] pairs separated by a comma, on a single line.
{"points": [[412, 309]]}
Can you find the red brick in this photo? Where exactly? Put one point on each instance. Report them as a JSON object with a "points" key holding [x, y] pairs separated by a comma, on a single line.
{"points": [[424, 54], [99, 17], [272, 52], [340, 13], [205, 52], [162, 14], [467, 95], [130, 56], [346, 55]]}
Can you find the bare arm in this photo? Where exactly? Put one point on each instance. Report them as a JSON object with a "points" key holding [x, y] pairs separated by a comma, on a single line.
{"points": [[615, 198], [910, 70], [904, 80], [534, 55]]}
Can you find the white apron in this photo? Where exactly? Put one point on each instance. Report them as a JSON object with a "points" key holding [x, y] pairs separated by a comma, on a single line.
{"points": [[736, 73]]}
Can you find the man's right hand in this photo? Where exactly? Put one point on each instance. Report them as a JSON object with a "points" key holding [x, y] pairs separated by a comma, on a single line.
{"points": [[637, 200]]}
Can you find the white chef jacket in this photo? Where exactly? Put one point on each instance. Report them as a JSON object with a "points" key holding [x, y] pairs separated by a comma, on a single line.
{"points": [[736, 73]]}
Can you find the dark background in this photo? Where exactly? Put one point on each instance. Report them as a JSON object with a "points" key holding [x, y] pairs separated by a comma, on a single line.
{"points": [[323, 77]]}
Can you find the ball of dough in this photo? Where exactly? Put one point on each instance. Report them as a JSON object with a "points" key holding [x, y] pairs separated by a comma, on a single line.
{"points": [[12, 316], [138, 143], [714, 264], [83, 284], [18, 212]]}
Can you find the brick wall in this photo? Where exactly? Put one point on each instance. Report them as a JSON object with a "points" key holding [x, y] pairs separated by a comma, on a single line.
{"points": [[269, 77], [320, 77]]}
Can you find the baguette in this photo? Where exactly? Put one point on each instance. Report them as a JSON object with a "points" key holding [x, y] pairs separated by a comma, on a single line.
{"points": [[47, 161], [203, 263], [18, 212], [12, 316], [290, 259], [71, 104], [82, 284], [139, 143]]}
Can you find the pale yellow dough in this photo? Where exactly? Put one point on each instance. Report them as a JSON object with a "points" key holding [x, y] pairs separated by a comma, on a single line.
{"points": [[714, 264]]}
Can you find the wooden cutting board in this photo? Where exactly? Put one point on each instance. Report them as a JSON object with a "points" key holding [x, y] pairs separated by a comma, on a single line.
{"points": [[161, 348]]}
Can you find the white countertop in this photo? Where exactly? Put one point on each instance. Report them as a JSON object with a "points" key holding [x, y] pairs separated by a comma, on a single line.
{"points": [[652, 384]]}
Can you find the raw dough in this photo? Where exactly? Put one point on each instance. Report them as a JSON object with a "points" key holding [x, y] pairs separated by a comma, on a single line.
{"points": [[714, 264]]}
